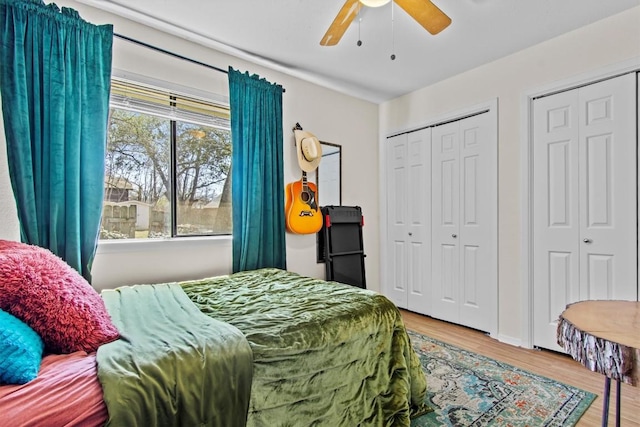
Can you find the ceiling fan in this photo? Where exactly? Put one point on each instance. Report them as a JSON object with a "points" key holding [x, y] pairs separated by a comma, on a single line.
{"points": [[424, 11]]}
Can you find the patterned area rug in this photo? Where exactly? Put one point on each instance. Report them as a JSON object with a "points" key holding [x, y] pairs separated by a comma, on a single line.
{"points": [[467, 389]]}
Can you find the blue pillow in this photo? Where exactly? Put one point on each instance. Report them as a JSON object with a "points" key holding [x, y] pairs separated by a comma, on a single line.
{"points": [[20, 350]]}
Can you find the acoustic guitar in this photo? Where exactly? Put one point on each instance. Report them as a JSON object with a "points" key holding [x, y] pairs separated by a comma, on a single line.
{"points": [[302, 211]]}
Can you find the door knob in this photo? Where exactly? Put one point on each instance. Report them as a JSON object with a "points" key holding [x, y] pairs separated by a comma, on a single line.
{"points": [[454, 235], [587, 240], [410, 234]]}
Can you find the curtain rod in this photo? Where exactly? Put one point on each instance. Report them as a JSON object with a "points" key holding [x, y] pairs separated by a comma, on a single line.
{"points": [[175, 55], [166, 52]]}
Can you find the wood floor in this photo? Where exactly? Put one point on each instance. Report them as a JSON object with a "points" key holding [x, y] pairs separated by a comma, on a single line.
{"points": [[547, 363]]}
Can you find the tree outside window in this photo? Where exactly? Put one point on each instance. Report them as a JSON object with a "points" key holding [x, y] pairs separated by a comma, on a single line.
{"points": [[167, 168]]}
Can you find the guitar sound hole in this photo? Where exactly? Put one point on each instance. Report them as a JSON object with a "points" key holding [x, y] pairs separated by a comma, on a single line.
{"points": [[305, 196]]}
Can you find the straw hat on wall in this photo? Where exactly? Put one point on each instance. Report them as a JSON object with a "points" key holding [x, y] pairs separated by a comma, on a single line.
{"points": [[309, 150]]}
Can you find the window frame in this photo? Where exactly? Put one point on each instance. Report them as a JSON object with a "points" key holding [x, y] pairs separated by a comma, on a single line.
{"points": [[174, 94]]}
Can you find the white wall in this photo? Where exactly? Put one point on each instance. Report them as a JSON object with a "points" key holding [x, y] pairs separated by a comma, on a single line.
{"points": [[319, 110], [598, 45], [9, 225]]}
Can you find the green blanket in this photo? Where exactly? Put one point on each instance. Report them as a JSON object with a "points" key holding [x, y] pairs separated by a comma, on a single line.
{"points": [[172, 366], [325, 354]]}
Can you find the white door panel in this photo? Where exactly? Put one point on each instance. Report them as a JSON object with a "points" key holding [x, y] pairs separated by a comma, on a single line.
{"points": [[396, 214], [409, 218], [477, 230], [442, 221], [445, 281], [556, 217], [608, 183], [584, 200], [418, 196], [465, 222]]}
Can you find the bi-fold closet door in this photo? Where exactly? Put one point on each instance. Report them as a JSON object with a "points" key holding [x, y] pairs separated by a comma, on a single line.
{"points": [[584, 200], [409, 219], [442, 221], [464, 218]]}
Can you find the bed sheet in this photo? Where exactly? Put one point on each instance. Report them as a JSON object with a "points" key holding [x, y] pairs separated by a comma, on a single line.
{"points": [[65, 393]]}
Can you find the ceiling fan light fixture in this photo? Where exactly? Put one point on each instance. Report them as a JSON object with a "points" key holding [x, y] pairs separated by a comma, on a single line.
{"points": [[374, 3], [424, 12]]}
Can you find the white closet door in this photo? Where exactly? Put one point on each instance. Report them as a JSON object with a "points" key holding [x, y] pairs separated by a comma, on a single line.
{"points": [[446, 208], [608, 184], [584, 200], [419, 220], [478, 223], [556, 217], [464, 253], [409, 218], [397, 219]]}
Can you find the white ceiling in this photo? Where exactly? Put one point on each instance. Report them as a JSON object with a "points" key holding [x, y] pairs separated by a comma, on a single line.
{"points": [[285, 35]]}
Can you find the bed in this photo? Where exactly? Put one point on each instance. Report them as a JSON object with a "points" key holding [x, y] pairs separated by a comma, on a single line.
{"points": [[257, 348]]}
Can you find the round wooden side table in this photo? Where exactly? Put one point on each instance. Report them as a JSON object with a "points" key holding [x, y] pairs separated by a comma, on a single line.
{"points": [[604, 336]]}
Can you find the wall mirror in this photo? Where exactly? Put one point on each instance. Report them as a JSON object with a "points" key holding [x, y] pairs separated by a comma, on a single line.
{"points": [[328, 179]]}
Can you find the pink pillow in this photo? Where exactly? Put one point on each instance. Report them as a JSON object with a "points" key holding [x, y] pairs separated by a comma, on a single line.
{"points": [[52, 298], [7, 245]]}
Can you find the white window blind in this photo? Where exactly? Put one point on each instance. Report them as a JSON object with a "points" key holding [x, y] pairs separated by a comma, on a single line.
{"points": [[155, 101]]}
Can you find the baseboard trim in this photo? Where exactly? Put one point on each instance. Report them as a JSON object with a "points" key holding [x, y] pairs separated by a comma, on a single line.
{"points": [[516, 342]]}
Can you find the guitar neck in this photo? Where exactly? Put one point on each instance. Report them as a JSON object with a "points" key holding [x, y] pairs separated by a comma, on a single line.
{"points": [[304, 181]]}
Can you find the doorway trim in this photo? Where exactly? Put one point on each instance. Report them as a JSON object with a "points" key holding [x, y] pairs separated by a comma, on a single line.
{"points": [[526, 173]]}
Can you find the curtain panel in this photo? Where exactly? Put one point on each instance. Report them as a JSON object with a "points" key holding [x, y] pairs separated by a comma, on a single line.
{"points": [[257, 172], [55, 71]]}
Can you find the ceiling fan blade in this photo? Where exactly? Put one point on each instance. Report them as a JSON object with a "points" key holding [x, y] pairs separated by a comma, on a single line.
{"points": [[426, 13], [340, 24]]}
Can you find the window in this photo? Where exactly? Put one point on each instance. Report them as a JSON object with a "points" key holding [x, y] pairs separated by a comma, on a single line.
{"points": [[168, 165]]}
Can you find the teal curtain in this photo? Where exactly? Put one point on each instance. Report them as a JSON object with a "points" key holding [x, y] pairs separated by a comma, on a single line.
{"points": [[257, 174], [55, 79]]}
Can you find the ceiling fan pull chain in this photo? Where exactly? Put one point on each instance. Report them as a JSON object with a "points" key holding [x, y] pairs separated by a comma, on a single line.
{"points": [[393, 34], [359, 22]]}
